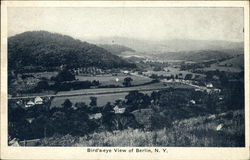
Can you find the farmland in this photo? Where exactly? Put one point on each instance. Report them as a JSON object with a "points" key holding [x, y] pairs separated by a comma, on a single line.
{"points": [[105, 95], [109, 79]]}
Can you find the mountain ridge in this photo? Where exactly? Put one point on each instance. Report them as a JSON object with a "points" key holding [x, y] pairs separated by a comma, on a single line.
{"points": [[46, 49]]}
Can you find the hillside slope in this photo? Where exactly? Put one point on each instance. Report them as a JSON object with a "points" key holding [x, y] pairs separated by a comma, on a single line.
{"points": [[201, 55], [45, 49]]}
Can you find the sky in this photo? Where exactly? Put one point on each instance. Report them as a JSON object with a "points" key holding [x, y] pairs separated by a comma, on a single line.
{"points": [[139, 23]]}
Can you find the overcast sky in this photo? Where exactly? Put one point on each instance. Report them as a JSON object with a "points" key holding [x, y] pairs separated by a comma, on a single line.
{"points": [[141, 23]]}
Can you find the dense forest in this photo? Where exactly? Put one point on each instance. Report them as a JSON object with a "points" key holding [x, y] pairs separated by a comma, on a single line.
{"points": [[45, 50]]}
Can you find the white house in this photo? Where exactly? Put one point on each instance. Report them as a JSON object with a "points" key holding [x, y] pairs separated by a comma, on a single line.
{"points": [[119, 110], [95, 116], [125, 72], [30, 104], [209, 85], [192, 101], [38, 100]]}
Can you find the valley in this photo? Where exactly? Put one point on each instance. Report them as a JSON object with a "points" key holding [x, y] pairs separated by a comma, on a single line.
{"points": [[62, 89]]}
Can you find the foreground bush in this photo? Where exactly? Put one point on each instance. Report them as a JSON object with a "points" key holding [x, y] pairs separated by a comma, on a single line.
{"points": [[221, 130]]}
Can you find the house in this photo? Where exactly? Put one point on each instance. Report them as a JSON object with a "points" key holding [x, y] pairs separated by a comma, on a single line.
{"points": [[29, 104], [216, 90], [38, 100], [119, 110], [95, 116], [30, 120], [209, 85], [126, 72], [192, 101], [19, 102]]}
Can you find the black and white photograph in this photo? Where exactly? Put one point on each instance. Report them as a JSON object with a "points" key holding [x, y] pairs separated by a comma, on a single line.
{"points": [[126, 77]]}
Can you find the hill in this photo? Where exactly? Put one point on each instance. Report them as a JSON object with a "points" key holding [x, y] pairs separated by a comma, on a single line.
{"points": [[51, 50], [115, 48], [171, 45], [235, 64], [201, 55]]}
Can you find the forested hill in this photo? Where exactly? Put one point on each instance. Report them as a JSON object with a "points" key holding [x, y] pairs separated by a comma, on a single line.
{"points": [[45, 49]]}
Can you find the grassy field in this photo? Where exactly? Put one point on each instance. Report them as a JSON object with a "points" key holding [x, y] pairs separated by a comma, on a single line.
{"points": [[101, 99], [194, 132], [105, 95], [108, 79]]}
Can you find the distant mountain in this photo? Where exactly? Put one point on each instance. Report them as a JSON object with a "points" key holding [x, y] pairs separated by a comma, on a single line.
{"points": [[115, 48], [198, 56], [45, 49], [163, 46]]}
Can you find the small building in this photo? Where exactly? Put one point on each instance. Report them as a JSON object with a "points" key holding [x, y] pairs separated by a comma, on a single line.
{"points": [[95, 116], [38, 100], [29, 104], [119, 110], [117, 79]]}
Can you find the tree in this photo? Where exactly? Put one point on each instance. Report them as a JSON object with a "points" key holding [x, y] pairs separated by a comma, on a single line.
{"points": [[65, 75], [137, 100], [127, 81], [81, 106], [67, 104], [188, 76], [93, 101], [108, 108], [42, 85]]}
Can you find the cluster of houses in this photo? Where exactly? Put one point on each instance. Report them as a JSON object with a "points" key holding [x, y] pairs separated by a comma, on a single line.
{"points": [[117, 110], [31, 102], [88, 70]]}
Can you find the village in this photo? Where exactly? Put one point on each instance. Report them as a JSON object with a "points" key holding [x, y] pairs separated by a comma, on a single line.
{"points": [[141, 110]]}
